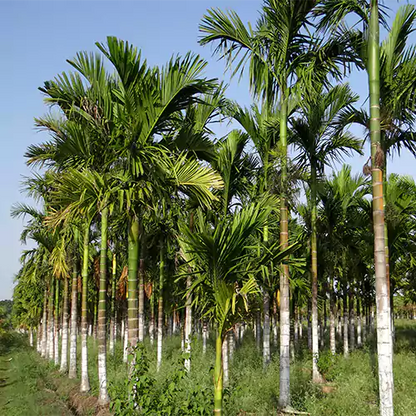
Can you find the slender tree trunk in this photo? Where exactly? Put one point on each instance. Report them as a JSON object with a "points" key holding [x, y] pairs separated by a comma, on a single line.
{"points": [[113, 306], [31, 337], [50, 321], [352, 320], [266, 328], [316, 376], [74, 311], [56, 326], [384, 337], [95, 322], [275, 323], [64, 346], [225, 360], [359, 320], [296, 334], [125, 340], [218, 377], [188, 322], [345, 306], [204, 336], [123, 331], [152, 319], [332, 342], [141, 285], [309, 326], [38, 338], [284, 396], [386, 245], [160, 306], [103, 398], [231, 344], [133, 242], [44, 348], [324, 326], [85, 383], [258, 330]]}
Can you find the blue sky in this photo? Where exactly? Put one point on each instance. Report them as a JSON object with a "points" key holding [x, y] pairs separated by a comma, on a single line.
{"points": [[37, 38]]}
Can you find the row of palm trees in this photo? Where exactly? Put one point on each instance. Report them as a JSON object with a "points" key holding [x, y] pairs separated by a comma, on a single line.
{"points": [[131, 173]]}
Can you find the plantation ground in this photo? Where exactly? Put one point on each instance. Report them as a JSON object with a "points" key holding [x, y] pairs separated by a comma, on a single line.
{"points": [[28, 382]]}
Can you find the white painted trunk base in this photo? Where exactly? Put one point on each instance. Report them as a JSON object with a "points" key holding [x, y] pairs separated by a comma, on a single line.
{"points": [[225, 362], [125, 333], [266, 329], [204, 337]]}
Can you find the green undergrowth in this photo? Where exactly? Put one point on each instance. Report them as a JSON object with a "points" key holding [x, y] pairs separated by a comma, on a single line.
{"points": [[351, 387], [26, 382]]}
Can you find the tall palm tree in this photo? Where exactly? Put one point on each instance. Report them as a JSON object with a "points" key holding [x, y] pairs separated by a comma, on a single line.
{"points": [[277, 51], [320, 137], [397, 86], [370, 15]]}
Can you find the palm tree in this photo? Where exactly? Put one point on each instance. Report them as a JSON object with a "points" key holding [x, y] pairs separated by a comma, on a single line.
{"points": [[369, 14], [278, 51], [397, 63], [320, 137], [223, 264]]}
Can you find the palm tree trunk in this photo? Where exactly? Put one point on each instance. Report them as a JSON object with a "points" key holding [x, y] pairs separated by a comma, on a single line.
{"points": [[160, 306], [50, 320], [218, 377], [346, 315], [141, 285], [125, 331], [103, 398], [231, 345], [74, 311], [30, 337], [85, 383], [44, 324], [39, 338], [309, 325], [266, 328], [284, 396], [358, 319], [386, 246], [133, 243], [152, 320], [225, 360], [56, 325], [64, 346], [384, 338], [316, 376], [332, 315], [204, 336], [188, 323], [258, 330], [95, 320], [113, 306], [352, 320]]}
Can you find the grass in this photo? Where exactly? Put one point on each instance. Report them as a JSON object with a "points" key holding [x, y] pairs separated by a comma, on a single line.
{"points": [[252, 391], [26, 387]]}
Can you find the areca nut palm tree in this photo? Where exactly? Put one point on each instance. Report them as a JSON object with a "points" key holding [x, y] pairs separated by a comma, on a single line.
{"points": [[276, 50], [224, 276], [320, 136]]}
